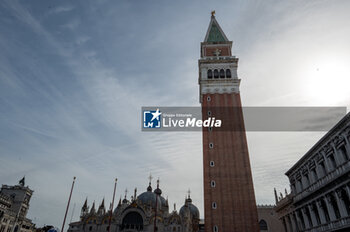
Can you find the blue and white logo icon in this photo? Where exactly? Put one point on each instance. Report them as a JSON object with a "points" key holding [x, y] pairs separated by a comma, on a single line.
{"points": [[152, 119]]}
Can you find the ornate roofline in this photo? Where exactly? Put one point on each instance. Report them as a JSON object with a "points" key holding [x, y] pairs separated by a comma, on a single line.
{"points": [[320, 142]]}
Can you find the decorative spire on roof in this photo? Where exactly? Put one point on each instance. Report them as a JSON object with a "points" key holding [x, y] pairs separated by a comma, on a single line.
{"points": [[135, 191], [188, 197], [149, 188], [126, 193], [22, 181], [84, 209], [93, 208], [85, 204], [276, 197], [158, 191], [101, 208], [215, 34]]}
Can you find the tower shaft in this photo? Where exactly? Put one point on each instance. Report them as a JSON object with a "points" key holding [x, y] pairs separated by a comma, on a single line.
{"points": [[229, 200]]}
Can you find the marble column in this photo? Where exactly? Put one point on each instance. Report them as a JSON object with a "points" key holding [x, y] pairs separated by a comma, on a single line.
{"points": [[347, 189], [347, 145], [326, 164], [313, 215], [341, 203], [321, 212], [299, 222], [306, 220], [290, 228], [294, 223], [330, 208], [284, 224]]}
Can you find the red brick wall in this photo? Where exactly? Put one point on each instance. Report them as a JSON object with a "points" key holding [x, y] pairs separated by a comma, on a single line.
{"points": [[234, 193], [225, 51]]}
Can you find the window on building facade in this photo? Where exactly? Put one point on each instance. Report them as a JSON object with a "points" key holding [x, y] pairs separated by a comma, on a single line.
{"points": [[293, 188], [213, 205], [216, 73], [222, 73], [212, 164], [228, 73], [332, 161], [215, 228], [212, 183], [314, 174], [263, 225], [208, 98], [211, 145], [307, 181], [210, 74], [300, 184], [343, 152], [322, 169]]}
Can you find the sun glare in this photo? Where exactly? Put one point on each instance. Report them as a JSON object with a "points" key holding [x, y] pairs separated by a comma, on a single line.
{"points": [[327, 82]]}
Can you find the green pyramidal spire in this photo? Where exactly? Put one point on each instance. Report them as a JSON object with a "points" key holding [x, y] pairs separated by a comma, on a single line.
{"points": [[215, 33]]}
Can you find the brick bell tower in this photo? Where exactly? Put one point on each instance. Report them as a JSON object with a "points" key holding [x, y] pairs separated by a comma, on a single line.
{"points": [[229, 200]]}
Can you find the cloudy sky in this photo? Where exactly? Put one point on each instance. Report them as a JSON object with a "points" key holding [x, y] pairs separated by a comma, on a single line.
{"points": [[74, 75]]}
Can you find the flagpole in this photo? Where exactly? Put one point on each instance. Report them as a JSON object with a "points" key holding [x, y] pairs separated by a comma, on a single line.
{"points": [[70, 196], [110, 216]]}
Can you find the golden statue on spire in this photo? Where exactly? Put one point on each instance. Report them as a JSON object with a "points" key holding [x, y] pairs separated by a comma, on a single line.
{"points": [[213, 13]]}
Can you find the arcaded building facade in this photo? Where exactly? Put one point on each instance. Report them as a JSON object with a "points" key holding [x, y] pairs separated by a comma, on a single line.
{"points": [[320, 185]]}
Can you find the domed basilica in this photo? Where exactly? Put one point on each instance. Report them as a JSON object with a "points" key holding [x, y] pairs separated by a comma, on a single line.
{"points": [[138, 214]]}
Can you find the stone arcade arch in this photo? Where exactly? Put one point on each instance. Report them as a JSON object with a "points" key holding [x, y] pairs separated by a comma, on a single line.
{"points": [[132, 221]]}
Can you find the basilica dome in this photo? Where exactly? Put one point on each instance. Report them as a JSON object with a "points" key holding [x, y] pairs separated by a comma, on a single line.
{"points": [[193, 210], [149, 198]]}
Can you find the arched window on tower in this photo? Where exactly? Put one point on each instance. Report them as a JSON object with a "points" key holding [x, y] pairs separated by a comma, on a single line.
{"points": [[222, 73], [216, 73], [210, 74], [228, 73], [262, 225]]}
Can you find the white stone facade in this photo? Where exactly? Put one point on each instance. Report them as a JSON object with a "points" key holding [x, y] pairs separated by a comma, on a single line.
{"points": [[138, 214], [14, 205], [226, 80], [320, 185]]}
